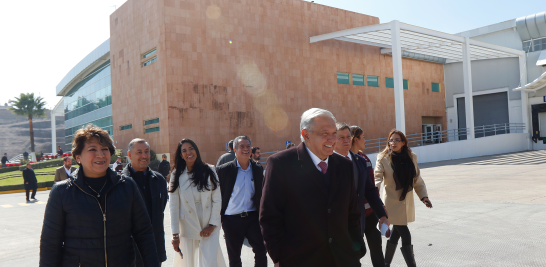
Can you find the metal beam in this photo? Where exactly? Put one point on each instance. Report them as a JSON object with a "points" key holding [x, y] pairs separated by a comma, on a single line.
{"points": [[438, 34], [524, 95], [467, 83], [343, 33], [346, 39], [497, 47], [398, 77]]}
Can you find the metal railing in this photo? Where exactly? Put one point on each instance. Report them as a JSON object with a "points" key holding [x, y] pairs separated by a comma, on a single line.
{"points": [[437, 137], [264, 159]]}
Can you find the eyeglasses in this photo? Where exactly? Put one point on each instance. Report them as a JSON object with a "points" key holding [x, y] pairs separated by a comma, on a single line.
{"points": [[396, 141]]}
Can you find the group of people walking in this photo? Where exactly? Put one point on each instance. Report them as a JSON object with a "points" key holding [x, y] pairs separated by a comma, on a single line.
{"points": [[313, 207]]}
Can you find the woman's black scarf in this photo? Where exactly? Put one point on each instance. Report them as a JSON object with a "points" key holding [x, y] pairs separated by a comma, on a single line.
{"points": [[404, 172]]}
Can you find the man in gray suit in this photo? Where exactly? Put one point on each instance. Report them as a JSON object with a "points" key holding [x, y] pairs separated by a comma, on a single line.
{"points": [[64, 171]]}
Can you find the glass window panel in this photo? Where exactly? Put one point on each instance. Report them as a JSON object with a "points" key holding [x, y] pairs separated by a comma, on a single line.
{"points": [[343, 78], [537, 45], [358, 79], [149, 53], [389, 82], [436, 87], [373, 81], [406, 84], [526, 46], [151, 130], [126, 127], [152, 121], [148, 62]]}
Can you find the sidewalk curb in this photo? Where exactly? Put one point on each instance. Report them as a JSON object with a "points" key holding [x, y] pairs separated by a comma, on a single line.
{"points": [[23, 190]]}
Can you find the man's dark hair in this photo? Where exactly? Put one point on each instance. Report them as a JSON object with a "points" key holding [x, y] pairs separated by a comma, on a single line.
{"points": [[289, 145], [254, 149], [230, 145], [66, 158]]}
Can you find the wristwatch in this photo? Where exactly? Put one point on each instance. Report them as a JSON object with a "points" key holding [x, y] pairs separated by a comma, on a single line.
{"points": [[212, 225]]}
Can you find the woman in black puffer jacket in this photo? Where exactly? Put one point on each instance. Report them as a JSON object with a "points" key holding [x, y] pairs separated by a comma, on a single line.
{"points": [[93, 218]]}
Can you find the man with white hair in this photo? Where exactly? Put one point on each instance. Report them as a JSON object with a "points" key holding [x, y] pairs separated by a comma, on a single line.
{"points": [[153, 189], [309, 211]]}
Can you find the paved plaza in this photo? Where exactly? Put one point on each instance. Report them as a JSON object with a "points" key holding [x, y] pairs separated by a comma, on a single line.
{"points": [[488, 211]]}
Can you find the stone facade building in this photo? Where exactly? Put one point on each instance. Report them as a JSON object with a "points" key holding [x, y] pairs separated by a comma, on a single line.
{"points": [[212, 70]]}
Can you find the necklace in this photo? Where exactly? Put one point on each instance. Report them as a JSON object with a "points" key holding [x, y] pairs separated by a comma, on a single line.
{"points": [[98, 193]]}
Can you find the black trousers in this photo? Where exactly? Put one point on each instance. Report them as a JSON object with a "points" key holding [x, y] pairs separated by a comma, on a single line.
{"points": [[373, 238], [33, 192], [400, 231], [236, 228]]}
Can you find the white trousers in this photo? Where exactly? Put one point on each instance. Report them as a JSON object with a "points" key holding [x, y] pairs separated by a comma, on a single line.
{"points": [[200, 253]]}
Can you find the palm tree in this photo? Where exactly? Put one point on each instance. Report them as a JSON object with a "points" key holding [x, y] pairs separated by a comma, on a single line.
{"points": [[29, 106]]}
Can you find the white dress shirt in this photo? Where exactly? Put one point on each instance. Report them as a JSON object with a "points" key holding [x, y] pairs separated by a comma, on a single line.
{"points": [[316, 159], [67, 171], [243, 192]]}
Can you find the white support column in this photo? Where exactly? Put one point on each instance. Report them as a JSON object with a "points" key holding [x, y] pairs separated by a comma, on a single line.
{"points": [[398, 76], [53, 132], [524, 96], [467, 80]]}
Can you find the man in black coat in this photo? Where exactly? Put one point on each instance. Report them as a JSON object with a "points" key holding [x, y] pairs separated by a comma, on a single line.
{"points": [[153, 189], [164, 167], [5, 160], [241, 187], [30, 182], [365, 190], [309, 211], [60, 151]]}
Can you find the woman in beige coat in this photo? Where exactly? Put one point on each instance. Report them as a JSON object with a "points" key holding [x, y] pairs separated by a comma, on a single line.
{"points": [[195, 203], [397, 170]]}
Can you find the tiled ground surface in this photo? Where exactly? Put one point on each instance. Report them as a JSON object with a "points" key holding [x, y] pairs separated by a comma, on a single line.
{"points": [[488, 211]]}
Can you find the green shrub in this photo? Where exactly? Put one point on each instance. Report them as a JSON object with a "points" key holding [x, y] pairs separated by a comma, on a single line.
{"points": [[9, 169], [44, 164]]}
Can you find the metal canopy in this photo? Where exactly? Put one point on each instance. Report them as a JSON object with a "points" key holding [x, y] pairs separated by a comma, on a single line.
{"points": [[421, 41], [535, 85], [397, 38]]}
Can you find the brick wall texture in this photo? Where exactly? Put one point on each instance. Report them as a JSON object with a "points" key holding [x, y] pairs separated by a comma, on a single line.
{"points": [[246, 67]]}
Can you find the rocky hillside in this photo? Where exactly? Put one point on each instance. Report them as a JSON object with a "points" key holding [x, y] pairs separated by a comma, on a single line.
{"points": [[15, 135]]}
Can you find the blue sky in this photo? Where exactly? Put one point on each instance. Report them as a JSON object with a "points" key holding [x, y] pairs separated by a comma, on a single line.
{"points": [[451, 16], [42, 43]]}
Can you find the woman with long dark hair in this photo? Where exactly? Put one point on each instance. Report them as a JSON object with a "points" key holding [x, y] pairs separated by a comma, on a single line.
{"points": [[397, 169], [195, 203]]}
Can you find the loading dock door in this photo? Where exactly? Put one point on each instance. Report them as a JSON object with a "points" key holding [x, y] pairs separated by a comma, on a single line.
{"points": [[489, 109]]}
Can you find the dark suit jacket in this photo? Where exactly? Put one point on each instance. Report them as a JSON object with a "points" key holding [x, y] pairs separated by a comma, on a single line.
{"points": [[158, 188], [30, 177], [366, 191], [227, 174], [303, 222]]}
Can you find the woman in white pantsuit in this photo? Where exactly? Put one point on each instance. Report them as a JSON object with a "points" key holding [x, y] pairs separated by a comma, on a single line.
{"points": [[195, 203]]}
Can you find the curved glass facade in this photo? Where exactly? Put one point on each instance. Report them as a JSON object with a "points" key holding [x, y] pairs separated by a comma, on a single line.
{"points": [[89, 101]]}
